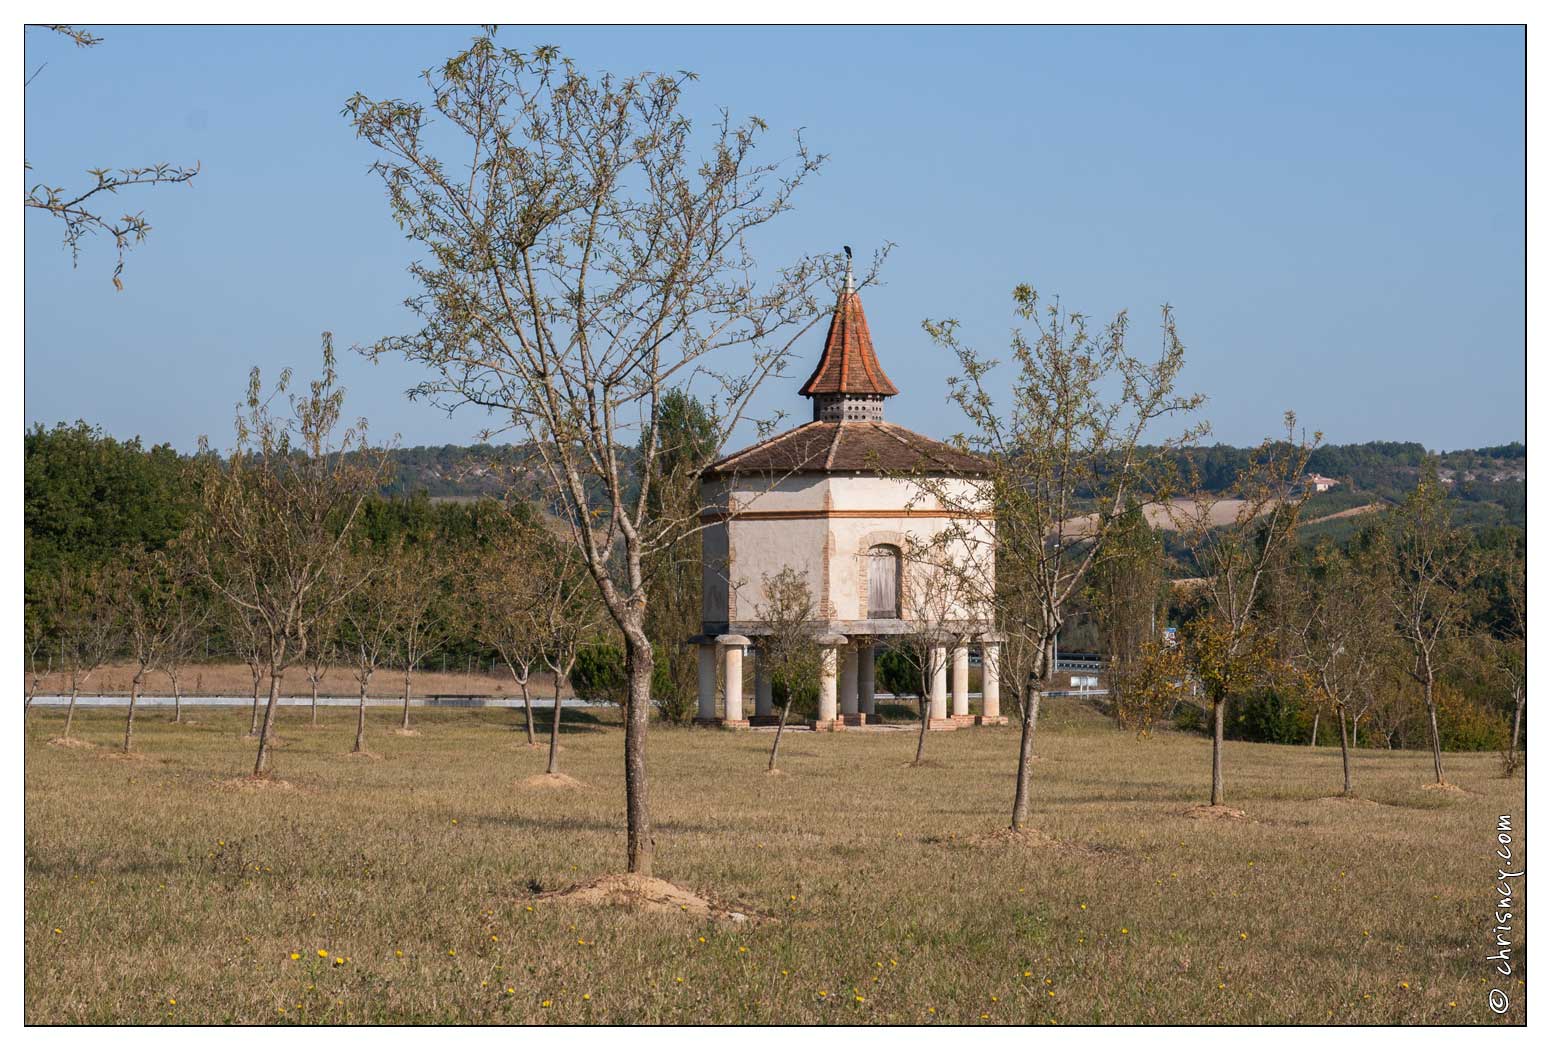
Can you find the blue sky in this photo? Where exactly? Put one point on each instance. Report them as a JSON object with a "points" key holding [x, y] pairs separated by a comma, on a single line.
{"points": [[1336, 215]]}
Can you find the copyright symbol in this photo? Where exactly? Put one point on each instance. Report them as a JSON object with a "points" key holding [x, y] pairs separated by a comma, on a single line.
{"points": [[1497, 1000]]}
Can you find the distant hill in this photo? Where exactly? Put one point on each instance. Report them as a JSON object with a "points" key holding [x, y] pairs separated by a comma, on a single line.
{"points": [[1488, 484]]}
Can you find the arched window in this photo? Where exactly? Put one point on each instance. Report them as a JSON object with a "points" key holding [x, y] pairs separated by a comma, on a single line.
{"points": [[883, 582]]}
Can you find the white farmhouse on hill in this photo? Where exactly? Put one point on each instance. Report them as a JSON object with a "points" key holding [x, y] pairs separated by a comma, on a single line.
{"points": [[834, 499]]}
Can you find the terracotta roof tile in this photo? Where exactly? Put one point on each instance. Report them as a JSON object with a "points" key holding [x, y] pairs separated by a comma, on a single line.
{"points": [[848, 364], [852, 445]]}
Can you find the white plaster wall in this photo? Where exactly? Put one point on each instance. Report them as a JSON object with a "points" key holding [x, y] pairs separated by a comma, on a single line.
{"points": [[761, 547], [804, 492]]}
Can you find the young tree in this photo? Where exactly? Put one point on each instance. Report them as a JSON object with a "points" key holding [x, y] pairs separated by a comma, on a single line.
{"points": [[189, 613], [75, 207], [90, 631], [1227, 649], [1126, 591], [423, 619], [40, 651], [1065, 460], [565, 616], [324, 648], [1431, 567], [147, 599], [246, 635], [1148, 686], [933, 602], [505, 591], [369, 619], [789, 650], [279, 515], [581, 260], [1339, 638]]}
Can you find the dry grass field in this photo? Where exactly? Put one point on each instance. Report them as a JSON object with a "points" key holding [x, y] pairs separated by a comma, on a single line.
{"points": [[231, 679], [404, 888]]}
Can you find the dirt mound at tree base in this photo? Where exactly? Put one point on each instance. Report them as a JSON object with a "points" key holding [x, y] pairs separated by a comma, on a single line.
{"points": [[1204, 812], [1446, 786], [647, 894], [404, 733], [1015, 837], [552, 781], [365, 753]]}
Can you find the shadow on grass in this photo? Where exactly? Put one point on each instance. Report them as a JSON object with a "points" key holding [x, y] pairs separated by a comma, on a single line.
{"points": [[529, 823]]}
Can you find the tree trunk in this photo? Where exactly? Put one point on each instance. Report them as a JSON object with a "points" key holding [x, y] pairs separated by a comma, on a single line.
{"points": [[253, 727], [1518, 721], [775, 747], [1020, 799], [1432, 725], [360, 722], [926, 717], [554, 732], [1219, 705], [261, 764], [1314, 737], [177, 697], [70, 711], [129, 722], [405, 724], [527, 707], [639, 845], [1346, 759], [314, 702]]}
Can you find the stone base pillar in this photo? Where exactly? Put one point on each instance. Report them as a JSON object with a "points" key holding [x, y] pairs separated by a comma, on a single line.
{"points": [[866, 678], [991, 685], [937, 658], [829, 669], [732, 679], [961, 682]]}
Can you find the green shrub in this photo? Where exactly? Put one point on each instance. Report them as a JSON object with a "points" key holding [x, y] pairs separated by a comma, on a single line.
{"points": [[599, 674], [1267, 716], [897, 675], [1464, 726]]}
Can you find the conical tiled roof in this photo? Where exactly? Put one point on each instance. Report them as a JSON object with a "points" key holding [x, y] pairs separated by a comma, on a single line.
{"points": [[848, 364]]}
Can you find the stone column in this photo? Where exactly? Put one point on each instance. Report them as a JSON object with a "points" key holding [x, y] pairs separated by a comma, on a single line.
{"points": [[732, 679], [990, 682], [829, 662], [848, 690], [763, 704], [866, 671], [960, 681], [707, 712], [937, 657]]}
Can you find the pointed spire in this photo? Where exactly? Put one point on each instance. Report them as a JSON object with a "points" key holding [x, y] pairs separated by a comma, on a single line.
{"points": [[848, 382]]}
